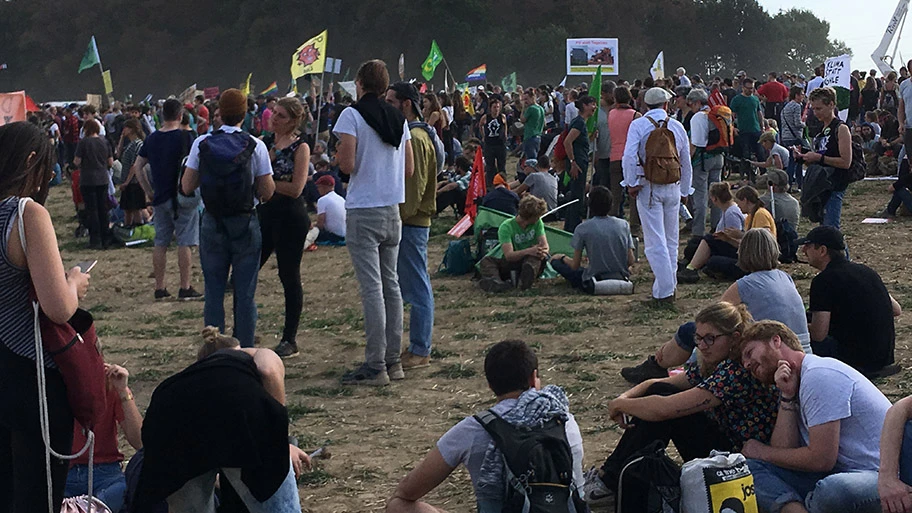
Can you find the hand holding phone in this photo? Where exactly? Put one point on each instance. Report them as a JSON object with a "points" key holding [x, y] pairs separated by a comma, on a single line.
{"points": [[87, 266]]}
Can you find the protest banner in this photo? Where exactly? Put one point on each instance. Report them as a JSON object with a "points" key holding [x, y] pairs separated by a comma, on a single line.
{"points": [[584, 56], [211, 93], [108, 83], [837, 74], [94, 100], [12, 107]]}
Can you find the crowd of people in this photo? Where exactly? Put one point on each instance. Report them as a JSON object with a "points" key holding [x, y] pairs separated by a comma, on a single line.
{"points": [[238, 178]]}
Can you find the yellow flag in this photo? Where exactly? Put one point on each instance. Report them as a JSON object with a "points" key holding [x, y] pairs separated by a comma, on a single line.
{"points": [[109, 85], [467, 103], [246, 89], [310, 57]]}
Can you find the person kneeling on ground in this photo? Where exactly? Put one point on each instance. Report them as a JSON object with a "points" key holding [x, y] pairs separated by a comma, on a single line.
{"points": [[605, 239], [108, 480], [525, 249], [727, 241], [768, 292], [714, 404], [511, 369], [894, 479], [330, 226], [223, 414], [824, 453]]}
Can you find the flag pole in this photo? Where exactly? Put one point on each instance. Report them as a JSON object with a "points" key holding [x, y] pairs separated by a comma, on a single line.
{"points": [[447, 66], [318, 102], [101, 72]]}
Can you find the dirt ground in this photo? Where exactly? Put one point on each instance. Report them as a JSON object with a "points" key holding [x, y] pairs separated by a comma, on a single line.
{"points": [[378, 434]]}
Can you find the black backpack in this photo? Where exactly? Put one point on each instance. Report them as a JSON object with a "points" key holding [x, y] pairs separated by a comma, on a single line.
{"points": [[226, 176], [538, 465], [650, 482], [787, 238], [818, 185], [131, 476], [857, 168]]}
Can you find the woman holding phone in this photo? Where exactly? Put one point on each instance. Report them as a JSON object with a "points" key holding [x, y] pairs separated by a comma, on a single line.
{"points": [[26, 167]]}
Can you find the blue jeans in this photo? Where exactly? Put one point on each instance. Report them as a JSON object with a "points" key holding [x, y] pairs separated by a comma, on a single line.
{"points": [[574, 277], [793, 168], [905, 456], [197, 495], [832, 211], [531, 146], [231, 244], [415, 285], [820, 492], [108, 483]]}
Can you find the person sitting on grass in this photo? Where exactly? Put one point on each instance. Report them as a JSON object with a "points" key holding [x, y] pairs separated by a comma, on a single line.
{"points": [[782, 204], [768, 293], [725, 243], [524, 245], [330, 225], [714, 405], [452, 191], [778, 155], [501, 198], [894, 478], [109, 482], [225, 414], [511, 369], [538, 182], [721, 197], [605, 239]]}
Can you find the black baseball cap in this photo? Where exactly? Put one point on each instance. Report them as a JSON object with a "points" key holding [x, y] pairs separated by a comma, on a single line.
{"points": [[827, 236], [408, 92]]}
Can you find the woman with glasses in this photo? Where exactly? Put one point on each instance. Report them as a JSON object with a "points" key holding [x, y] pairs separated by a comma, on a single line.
{"points": [[714, 404]]}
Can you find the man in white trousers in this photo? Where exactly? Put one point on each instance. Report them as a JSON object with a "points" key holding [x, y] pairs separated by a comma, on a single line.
{"points": [[658, 204]]}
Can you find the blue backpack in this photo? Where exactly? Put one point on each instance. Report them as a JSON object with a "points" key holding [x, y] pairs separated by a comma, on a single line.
{"points": [[226, 176], [458, 258]]}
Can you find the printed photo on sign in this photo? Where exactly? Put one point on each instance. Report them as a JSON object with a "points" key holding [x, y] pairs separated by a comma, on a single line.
{"points": [[584, 56]]}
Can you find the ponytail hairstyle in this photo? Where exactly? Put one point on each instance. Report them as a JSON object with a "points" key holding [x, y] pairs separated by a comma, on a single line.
{"points": [[750, 194], [213, 341], [727, 318]]}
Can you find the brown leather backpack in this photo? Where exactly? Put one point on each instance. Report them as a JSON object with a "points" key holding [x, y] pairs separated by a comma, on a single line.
{"points": [[662, 164]]}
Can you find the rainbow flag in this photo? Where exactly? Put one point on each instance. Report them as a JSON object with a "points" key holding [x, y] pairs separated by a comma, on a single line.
{"points": [[272, 89], [477, 74]]}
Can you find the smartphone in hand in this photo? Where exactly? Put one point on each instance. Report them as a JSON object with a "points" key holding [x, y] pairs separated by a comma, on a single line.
{"points": [[87, 266]]}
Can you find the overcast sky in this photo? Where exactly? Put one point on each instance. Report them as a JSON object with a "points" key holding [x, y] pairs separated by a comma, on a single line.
{"points": [[860, 25]]}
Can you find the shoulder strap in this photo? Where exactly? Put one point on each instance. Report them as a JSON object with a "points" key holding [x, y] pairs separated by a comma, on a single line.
{"points": [[22, 203], [652, 121]]}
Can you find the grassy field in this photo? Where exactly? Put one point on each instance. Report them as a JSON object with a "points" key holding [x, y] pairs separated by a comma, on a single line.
{"points": [[378, 434]]}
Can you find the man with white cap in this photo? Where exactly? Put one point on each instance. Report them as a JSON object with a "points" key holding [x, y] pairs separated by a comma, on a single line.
{"points": [[658, 203]]}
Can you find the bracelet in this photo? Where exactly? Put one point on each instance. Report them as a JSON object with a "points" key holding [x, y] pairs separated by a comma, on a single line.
{"points": [[788, 407], [128, 397], [785, 399]]}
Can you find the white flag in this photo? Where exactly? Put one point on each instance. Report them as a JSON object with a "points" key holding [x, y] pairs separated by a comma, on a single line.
{"points": [[658, 67], [564, 81]]}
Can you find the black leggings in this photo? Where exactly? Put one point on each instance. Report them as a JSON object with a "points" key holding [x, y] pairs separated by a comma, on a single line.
{"points": [[95, 198], [23, 481], [694, 436], [495, 157], [284, 223]]}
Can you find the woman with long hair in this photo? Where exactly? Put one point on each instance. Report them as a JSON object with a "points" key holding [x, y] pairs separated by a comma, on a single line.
{"points": [[283, 219], [26, 167], [132, 196], [94, 158], [714, 404]]}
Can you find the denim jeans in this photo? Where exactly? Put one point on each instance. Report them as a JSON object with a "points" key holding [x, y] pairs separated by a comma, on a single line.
{"points": [[820, 492], [901, 196], [531, 147], [709, 171], [231, 244], [905, 456], [832, 211], [793, 167], [197, 495], [574, 277], [372, 237], [108, 481], [415, 285]]}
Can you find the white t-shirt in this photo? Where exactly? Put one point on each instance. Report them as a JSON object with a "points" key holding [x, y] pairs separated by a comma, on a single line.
{"points": [[378, 179], [466, 443], [259, 161], [814, 83], [699, 129], [570, 113], [54, 130], [333, 206]]}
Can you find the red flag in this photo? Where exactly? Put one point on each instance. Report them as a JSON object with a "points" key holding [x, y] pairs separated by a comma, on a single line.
{"points": [[477, 186]]}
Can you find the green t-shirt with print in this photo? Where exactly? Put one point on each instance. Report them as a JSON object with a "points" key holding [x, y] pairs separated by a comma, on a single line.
{"points": [[511, 233], [535, 121]]}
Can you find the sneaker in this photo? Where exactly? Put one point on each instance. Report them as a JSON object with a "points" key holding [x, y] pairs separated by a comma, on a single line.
{"points": [[395, 371], [527, 276], [884, 214], [883, 372], [286, 349], [411, 360], [688, 275], [161, 294], [188, 294], [364, 375], [596, 493], [650, 369], [494, 285]]}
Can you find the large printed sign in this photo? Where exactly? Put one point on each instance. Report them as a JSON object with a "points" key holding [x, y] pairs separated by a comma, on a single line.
{"points": [[12, 107], [584, 56], [837, 74]]}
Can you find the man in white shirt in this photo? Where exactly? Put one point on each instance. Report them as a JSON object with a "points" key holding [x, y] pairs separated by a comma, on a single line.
{"points": [[682, 76], [230, 237], [707, 165], [330, 226], [375, 150], [658, 204]]}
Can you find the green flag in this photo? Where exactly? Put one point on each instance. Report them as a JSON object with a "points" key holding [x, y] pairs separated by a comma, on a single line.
{"points": [[433, 59], [595, 91], [91, 57], [509, 83]]}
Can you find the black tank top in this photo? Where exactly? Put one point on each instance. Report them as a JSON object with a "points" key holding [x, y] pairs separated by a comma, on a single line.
{"points": [[495, 131]]}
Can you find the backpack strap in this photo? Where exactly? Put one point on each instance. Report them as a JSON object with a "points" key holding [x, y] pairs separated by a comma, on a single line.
{"points": [[654, 121]]}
